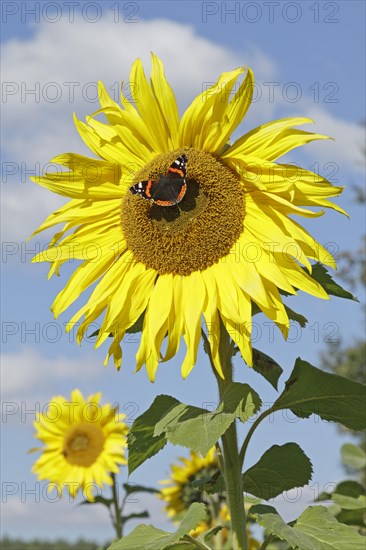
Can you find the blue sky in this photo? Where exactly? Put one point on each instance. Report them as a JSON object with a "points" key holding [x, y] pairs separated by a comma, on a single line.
{"points": [[308, 59]]}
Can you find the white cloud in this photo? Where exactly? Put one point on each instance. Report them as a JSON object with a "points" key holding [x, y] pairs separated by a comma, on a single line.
{"points": [[28, 375], [349, 138], [71, 56], [345, 150]]}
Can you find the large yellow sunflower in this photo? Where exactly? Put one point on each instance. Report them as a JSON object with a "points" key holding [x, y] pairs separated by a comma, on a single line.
{"points": [[84, 443], [229, 244]]}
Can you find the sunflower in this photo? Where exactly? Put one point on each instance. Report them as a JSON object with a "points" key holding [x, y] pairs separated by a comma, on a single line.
{"points": [[223, 252], [84, 443], [180, 493]]}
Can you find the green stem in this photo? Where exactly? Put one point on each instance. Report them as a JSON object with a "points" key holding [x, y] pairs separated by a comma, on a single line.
{"points": [[234, 488], [232, 467], [266, 542], [244, 447], [117, 511]]}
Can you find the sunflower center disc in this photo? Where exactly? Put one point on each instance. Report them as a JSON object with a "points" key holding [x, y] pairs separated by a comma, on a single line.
{"points": [[83, 444], [197, 232]]}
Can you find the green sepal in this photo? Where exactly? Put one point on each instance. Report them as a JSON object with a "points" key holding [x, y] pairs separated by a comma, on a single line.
{"points": [[136, 327], [294, 316], [321, 275]]}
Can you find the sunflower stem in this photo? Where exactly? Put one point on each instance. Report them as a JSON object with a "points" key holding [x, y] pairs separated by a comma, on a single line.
{"points": [[117, 511], [232, 466], [266, 542]]}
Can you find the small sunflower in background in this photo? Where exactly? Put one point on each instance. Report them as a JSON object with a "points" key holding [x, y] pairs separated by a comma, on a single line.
{"points": [[181, 491], [84, 443], [174, 224]]}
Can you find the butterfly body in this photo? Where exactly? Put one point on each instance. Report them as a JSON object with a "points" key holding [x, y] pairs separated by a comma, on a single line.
{"points": [[167, 190]]}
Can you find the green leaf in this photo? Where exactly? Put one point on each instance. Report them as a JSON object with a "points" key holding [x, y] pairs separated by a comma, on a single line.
{"points": [[99, 500], [323, 496], [352, 517], [213, 484], [134, 488], [349, 503], [212, 532], [349, 488], [196, 514], [259, 509], [321, 275], [353, 456], [150, 538], [312, 391], [184, 545], [144, 514], [281, 468], [143, 536], [294, 316], [267, 367], [200, 429], [315, 529], [142, 442]]}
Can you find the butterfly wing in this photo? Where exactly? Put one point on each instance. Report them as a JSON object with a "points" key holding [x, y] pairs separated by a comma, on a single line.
{"points": [[142, 188], [178, 168], [167, 190], [171, 188]]}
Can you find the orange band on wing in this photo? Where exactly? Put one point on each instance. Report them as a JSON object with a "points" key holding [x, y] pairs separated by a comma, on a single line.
{"points": [[182, 192], [180, 172], [148, 187], [164, 203]]}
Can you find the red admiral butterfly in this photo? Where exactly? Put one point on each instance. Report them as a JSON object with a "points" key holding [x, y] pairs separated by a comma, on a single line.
{"points": [[167, 190]]}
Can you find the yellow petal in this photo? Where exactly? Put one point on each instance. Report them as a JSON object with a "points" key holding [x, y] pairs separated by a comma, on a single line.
{"points": [[155, 325], [193, 300], [165, 98], [233, 114], [258, 141], [147, 106], [197, 119]]}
